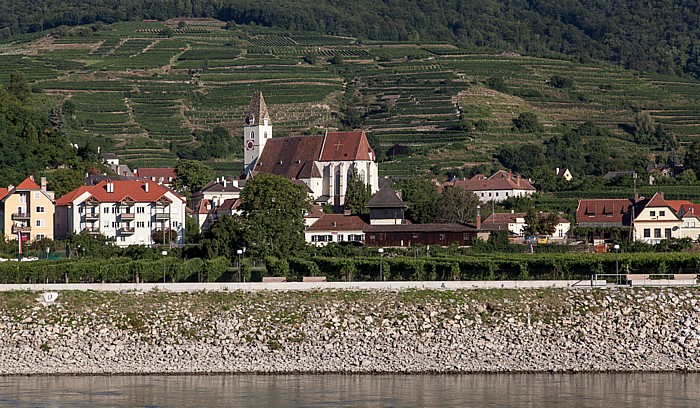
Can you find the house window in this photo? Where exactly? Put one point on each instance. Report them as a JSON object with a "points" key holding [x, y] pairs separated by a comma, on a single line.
{"points": [[140, 210], [115, 210], [647, 233], [22, 198], [496, 194], [692, 224], [114, 225], [36, 194], [685, 224], [40, 209], [662, 213], [652, 213], [340, 238], [39, 223], [106, 210], [657, 232], [40, 236], [122, 239], [140, 224], [561, 233], [465, 237], [80, 209], [667, 232], [176, 224]]}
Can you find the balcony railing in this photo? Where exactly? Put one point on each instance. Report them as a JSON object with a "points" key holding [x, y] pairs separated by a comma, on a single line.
{"points": [[160, 216], [20, 216], [127, 216], [91, 230], [16, 229], [126, 230], [92, 216]]}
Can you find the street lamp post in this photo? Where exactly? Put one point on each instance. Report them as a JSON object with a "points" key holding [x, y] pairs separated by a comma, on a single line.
{"points": [[165, 254], [239, 252], [617, 263], [381, 263]]}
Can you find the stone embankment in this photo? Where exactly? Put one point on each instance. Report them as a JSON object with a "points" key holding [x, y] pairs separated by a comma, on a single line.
{"points": [[535, 330]]}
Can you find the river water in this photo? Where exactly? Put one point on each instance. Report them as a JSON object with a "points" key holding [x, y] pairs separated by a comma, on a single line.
{"points": [[511, 390]]}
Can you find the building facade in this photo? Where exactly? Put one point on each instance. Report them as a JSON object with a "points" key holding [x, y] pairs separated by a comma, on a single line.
{"points": [[128, 212], [27, 211], [500, 186], [322, 162]]}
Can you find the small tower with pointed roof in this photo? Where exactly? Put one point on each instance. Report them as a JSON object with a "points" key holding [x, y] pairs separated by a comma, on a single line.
{"points": [[256, 132]]}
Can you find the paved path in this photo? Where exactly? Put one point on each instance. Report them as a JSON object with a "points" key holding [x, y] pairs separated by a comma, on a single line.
{"points": [[301, 286]]}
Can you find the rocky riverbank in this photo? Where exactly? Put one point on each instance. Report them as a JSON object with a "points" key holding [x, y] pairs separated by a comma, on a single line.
{"points": [[351, 331]]}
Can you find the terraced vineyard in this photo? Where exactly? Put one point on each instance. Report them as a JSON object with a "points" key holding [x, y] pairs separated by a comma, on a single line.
{"points": [[140, 90]]}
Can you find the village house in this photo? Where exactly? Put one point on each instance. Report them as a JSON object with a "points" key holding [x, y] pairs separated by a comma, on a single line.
{"points": [[563, 174], [515, 224], [130, 212], [27, 211], [650, 220], [336, 228], [500, 186], [161, 175], [322, 162], [216, 198]]}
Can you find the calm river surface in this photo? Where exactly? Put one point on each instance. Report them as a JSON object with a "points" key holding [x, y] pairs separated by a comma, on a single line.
{"points": [[522, 390]]}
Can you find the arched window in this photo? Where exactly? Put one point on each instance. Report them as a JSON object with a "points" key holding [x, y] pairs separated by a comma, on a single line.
{"points": [[362, 175], [252, 135], [265, 135]]}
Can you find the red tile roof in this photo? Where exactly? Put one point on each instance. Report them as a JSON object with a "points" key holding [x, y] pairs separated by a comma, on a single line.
{"points": [[134, 189], [657, 200], [288, 156], [157, 174], [27, 184], [3, 193], [501, 180], [339, 222], [346, 146], [602, 210]]}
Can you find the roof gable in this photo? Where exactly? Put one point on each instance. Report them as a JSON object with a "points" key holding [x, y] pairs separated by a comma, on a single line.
{"points": [[346, 146], [386, 197], [288, 156]]}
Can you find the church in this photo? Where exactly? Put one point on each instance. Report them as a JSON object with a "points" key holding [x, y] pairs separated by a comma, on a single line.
{"points": [[322, 162]]}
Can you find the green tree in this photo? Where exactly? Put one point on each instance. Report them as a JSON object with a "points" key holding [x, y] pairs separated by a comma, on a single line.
{"points": [[192, 235], [18, 86], [692, 157], [421, 197], [527, 122], [540, 224], [273, 211], [62, 181], [357, 194], [192, 176], [457, 205]]}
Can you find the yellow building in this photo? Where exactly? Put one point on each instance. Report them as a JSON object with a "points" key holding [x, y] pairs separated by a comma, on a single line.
{"points": [[27, 211]]}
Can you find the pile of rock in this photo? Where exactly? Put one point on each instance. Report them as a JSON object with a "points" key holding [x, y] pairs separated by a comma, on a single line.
{"points": [[396, 332]]}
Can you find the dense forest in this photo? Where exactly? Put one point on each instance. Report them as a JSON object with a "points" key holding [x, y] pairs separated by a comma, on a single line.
{"points": [[649, 35]]}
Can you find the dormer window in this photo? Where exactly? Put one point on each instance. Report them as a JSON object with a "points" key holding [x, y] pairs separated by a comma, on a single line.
{"points": [[652, 213], [662, 213]]}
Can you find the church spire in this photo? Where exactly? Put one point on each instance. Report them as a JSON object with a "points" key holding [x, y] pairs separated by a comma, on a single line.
{"points": [[257, 112]]}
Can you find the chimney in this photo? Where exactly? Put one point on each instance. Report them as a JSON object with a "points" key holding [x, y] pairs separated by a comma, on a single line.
{"points": [[661, 193], [518, 182], [110, 187], [347, 212], [43, 183], [225, 183], [145, 186], [510, 174], [335, 224], [556, 171]]}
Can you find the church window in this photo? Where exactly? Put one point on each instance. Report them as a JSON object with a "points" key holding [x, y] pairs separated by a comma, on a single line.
{"points": [[252, 135]]}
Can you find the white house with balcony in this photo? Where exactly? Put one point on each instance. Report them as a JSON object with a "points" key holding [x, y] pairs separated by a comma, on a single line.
{"points": [[131, 212]]}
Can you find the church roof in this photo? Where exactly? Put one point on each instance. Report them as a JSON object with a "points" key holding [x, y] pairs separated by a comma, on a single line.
{"points": [[290, 157], [347, 146], [386, 197], [257, 110]]}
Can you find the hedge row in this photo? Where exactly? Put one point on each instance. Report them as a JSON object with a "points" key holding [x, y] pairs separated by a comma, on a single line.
{"points": [[118, 270], [494, 267]]}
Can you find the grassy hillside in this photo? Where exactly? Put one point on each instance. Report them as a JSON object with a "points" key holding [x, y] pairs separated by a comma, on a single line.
{"points": [[141, 88]]}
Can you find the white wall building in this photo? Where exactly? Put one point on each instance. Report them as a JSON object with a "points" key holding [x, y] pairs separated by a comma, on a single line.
{"points": [[130, 212]]}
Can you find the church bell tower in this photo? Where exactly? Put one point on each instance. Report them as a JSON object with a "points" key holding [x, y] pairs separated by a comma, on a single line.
{"points": [[256, 132]]}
